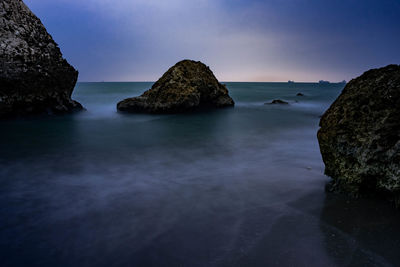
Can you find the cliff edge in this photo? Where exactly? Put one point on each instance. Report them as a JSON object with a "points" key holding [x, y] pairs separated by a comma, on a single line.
{"points": [[34, 77]]}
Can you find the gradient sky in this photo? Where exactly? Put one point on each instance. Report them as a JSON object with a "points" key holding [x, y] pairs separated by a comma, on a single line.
{"points": [[241, 40]]}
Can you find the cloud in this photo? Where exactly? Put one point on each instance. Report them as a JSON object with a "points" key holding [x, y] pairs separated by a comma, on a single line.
{"points": [[240, 40], [149, 36]]}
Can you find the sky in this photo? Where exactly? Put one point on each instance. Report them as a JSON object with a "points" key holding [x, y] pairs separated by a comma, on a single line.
{"points": [[241, 40]]}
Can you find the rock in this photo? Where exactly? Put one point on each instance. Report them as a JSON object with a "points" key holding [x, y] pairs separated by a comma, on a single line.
{"points": [[359, 136], [277, 101], [34, 77], [300, 94], [187, 86]]}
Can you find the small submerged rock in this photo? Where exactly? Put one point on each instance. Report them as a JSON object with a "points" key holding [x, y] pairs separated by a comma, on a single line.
{"points": [[300, 94], [187, 86], [359, 136], [277, 101]]}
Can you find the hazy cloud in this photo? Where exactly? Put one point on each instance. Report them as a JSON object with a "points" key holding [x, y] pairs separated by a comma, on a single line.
{"points": [[240, 40]]}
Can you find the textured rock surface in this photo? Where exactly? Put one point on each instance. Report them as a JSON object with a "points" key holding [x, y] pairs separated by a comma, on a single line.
{"points": [[34, 77], [184, 87], [359, 136]]}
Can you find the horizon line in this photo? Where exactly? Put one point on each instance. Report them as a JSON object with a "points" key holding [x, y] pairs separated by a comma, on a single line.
{"points": [[219, 81]]}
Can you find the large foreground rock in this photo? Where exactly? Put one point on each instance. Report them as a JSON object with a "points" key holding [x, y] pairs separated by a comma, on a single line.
{"points": [[360, 135], [34, 77], [186, 86]]}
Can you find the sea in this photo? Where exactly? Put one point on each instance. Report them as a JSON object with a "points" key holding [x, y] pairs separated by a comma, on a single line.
{"points": [[242, 186]]}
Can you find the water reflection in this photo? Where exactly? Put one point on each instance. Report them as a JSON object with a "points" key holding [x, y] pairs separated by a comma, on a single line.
{"points": [[361, 232]]}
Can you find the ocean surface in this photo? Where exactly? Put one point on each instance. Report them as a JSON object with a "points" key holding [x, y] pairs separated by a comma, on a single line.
{"points": [[241, 186]]}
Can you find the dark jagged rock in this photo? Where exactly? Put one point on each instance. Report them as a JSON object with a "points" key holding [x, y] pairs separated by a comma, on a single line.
{"points": [[277, 101], [185, 87], [300, 94], [359, 136], [34, 77]]}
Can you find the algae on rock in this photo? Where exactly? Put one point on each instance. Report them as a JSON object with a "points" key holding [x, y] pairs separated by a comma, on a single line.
{"points": [[187, 86], [359, 136]]}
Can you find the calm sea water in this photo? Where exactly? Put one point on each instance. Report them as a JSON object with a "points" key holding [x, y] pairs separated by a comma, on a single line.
{"points": [[241, 186]]}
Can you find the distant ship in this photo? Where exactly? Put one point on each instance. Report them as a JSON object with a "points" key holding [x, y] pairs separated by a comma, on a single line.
{"points": [[290, 81], [323, 82]]}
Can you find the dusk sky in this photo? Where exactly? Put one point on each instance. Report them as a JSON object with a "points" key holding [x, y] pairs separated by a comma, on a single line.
{"points": [[241, 40]]}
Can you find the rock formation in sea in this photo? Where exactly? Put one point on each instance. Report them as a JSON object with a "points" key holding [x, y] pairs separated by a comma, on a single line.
{"points": [[300, 94], [187, 86], [34, 77], [359, 136], [277, 101]]}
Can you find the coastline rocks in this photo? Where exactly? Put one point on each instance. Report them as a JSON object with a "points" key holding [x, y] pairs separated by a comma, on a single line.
{"points": [[277, 101], [34, 77], [359, 136], [187, 86]]}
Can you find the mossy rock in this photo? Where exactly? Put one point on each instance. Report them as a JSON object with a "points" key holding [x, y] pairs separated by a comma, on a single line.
{"points": [[359, 136], [187, 86]]}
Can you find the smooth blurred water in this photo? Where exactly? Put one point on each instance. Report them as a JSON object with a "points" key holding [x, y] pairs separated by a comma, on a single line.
{"points": [[241, 186]]}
